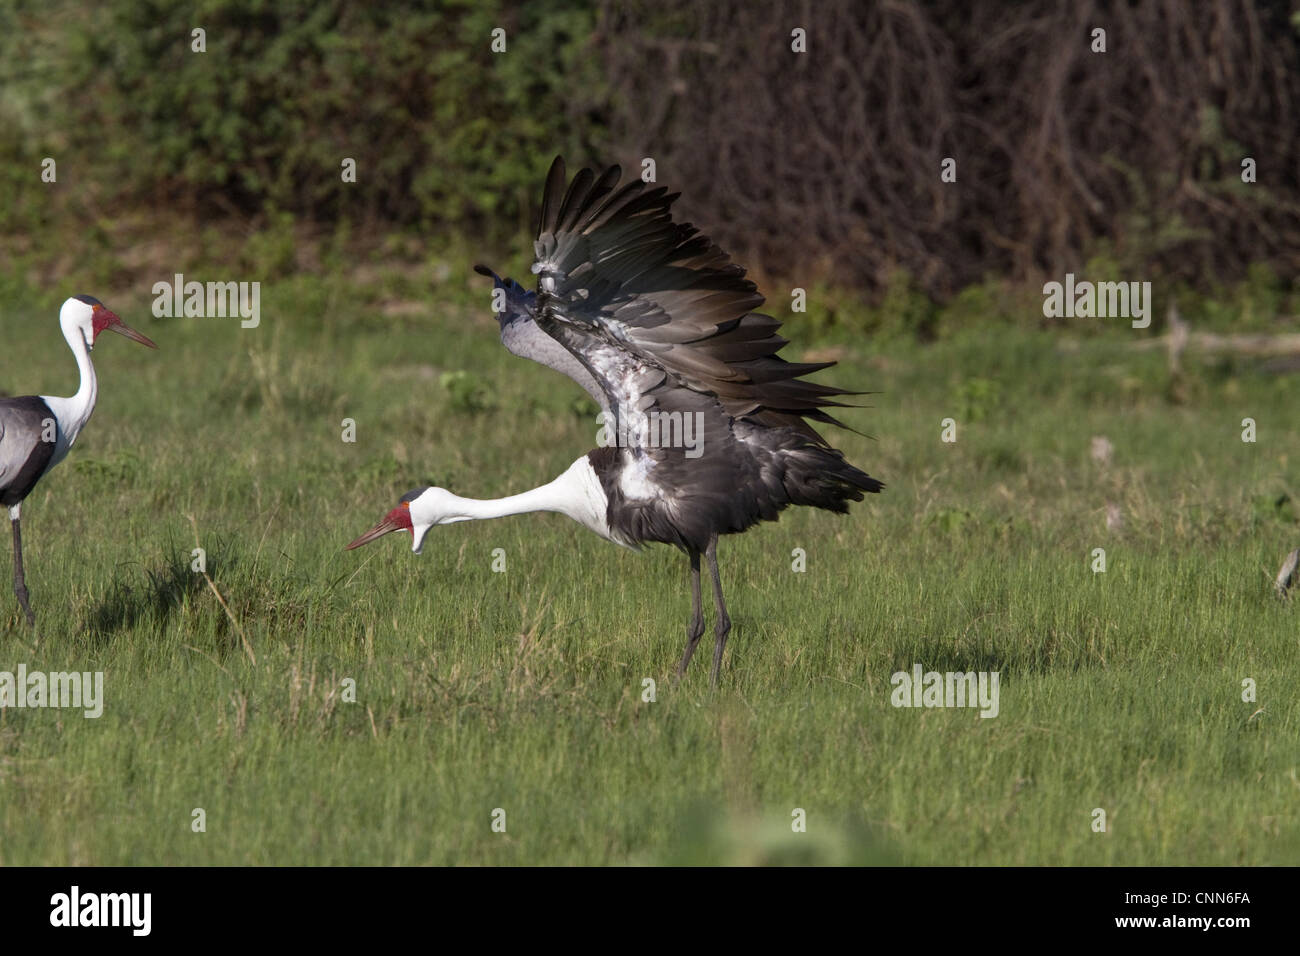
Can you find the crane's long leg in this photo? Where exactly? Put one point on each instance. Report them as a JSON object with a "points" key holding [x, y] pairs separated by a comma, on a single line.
{"points": [[723, 626], [695, 626], [20, 582]]}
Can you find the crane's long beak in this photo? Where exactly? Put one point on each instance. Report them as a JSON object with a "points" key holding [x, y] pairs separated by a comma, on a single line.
{"points": [[389, 524], [121, 328]]}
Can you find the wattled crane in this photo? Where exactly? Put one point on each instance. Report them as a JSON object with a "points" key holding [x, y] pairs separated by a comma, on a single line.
{"points": [[658, 325], [36, 431]]}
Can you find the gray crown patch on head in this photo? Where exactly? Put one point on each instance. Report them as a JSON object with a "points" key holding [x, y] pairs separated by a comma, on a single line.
{"points": [[88, 299]]}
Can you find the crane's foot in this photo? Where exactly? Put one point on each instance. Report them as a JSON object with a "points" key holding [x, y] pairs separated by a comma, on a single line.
{"points": [[21, 593], [695, 626], [723, 626], [694, 630], [720, 642]]}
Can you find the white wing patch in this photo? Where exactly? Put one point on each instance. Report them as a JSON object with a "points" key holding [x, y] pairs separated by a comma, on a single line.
{"points": [[635, 482]]}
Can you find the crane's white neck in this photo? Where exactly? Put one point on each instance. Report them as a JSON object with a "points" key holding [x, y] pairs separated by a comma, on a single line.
{"points": [[545, 498], [576, 493], [88, 390], [73, 413]]}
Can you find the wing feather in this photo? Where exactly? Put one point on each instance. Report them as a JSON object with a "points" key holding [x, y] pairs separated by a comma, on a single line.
{"points": [[616, 272]]}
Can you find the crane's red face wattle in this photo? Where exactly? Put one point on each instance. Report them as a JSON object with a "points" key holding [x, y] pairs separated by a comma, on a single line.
{"points": [[103, 319], [399, 519]]}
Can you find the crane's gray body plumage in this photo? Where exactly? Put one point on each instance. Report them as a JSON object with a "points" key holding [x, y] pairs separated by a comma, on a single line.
{"points": [[24, 455], [649, 316]]}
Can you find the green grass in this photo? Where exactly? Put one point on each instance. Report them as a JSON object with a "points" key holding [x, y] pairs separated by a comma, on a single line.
{"points": [[522, 690]]}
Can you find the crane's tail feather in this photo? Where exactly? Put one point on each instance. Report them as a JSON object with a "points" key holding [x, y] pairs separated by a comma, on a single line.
{"points": [[821, 477]]}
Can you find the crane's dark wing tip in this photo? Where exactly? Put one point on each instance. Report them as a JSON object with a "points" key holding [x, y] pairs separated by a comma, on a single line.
{"points": [[485, 271], [552, 197]]}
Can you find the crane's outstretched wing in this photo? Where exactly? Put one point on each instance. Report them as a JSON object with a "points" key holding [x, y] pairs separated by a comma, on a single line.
{"points": [[521, 336], [640, 300], [663, 323]]}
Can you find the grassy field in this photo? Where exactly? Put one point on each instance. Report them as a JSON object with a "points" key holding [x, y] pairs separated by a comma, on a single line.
{"points": [[522, 690]]}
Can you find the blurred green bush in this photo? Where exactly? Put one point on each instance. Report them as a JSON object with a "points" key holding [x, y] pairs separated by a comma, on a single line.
{"points": [[444, 132]]}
